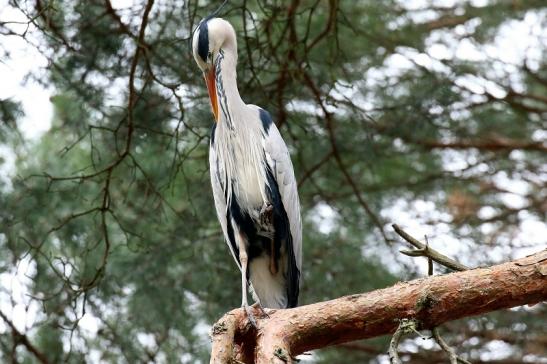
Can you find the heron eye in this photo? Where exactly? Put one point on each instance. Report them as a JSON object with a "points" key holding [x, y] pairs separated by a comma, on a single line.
{"points": [[210, 55]]}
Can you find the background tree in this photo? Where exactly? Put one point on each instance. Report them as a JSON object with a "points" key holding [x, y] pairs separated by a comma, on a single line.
{"points": [[419, 113]]}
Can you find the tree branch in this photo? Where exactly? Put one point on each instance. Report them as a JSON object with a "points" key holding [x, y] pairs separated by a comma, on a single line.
{"points": [[429, 301], [20, 338], [222, 336], [454, 358], [426, 251]]}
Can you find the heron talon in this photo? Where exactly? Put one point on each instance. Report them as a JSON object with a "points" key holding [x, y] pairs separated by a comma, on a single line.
{"points": [[262, 311], [250, 316]]}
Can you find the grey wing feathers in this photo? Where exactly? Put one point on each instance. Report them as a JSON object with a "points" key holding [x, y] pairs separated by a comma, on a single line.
{"points": [[279, 160], [218, 180]]}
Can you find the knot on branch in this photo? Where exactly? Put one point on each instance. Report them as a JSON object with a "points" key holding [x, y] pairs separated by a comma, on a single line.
{"points": [[408, 326], [219, 328], [425, 302], [282, 354]]}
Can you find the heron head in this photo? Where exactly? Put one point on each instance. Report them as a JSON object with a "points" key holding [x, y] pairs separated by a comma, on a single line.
{"points": [[210, 37]]}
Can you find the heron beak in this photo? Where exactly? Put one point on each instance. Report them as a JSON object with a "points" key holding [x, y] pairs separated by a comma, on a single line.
{"points": [[212, 88]]}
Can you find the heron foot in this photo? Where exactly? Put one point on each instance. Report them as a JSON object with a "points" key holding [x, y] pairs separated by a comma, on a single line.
{"points": [[262, 311], [250, 315]]}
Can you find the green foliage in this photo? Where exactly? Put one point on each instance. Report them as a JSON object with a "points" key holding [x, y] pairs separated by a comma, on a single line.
{"points": [[10, 112]]}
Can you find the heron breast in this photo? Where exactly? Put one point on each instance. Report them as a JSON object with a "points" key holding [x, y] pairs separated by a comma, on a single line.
{"points": [[243, 159], [250, 188]]}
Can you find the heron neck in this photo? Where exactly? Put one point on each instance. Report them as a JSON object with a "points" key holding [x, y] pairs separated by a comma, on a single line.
{"points": [[229, 99]]}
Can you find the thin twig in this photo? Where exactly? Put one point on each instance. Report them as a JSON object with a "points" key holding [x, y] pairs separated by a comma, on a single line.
{"points": [[406, 326], [454, 358], [429, 260], [393, 345], [424, 250]]}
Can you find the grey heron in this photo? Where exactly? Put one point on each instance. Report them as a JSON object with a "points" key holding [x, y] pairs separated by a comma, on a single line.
{"points": [[252, 177]]}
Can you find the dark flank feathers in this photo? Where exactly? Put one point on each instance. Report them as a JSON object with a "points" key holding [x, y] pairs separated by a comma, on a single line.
{"points": [[266, 119], [282, 236], [259, 245]]}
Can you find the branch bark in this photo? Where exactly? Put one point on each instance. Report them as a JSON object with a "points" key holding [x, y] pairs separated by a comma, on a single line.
{"points": [[429, 301]]}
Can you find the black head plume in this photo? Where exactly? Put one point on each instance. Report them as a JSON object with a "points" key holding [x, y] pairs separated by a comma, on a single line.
{"points": [[202, 26]]}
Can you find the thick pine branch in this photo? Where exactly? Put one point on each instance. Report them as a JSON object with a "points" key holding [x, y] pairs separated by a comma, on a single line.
{"points": [[430, 301]]}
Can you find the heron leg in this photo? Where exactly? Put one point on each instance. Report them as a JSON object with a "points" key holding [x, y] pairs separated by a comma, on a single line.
{"points": [[257, 303], [243, 259], [256, 299]]}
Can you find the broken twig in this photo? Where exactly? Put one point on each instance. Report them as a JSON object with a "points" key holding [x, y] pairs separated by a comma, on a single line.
{"points": [[424, 250]]}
